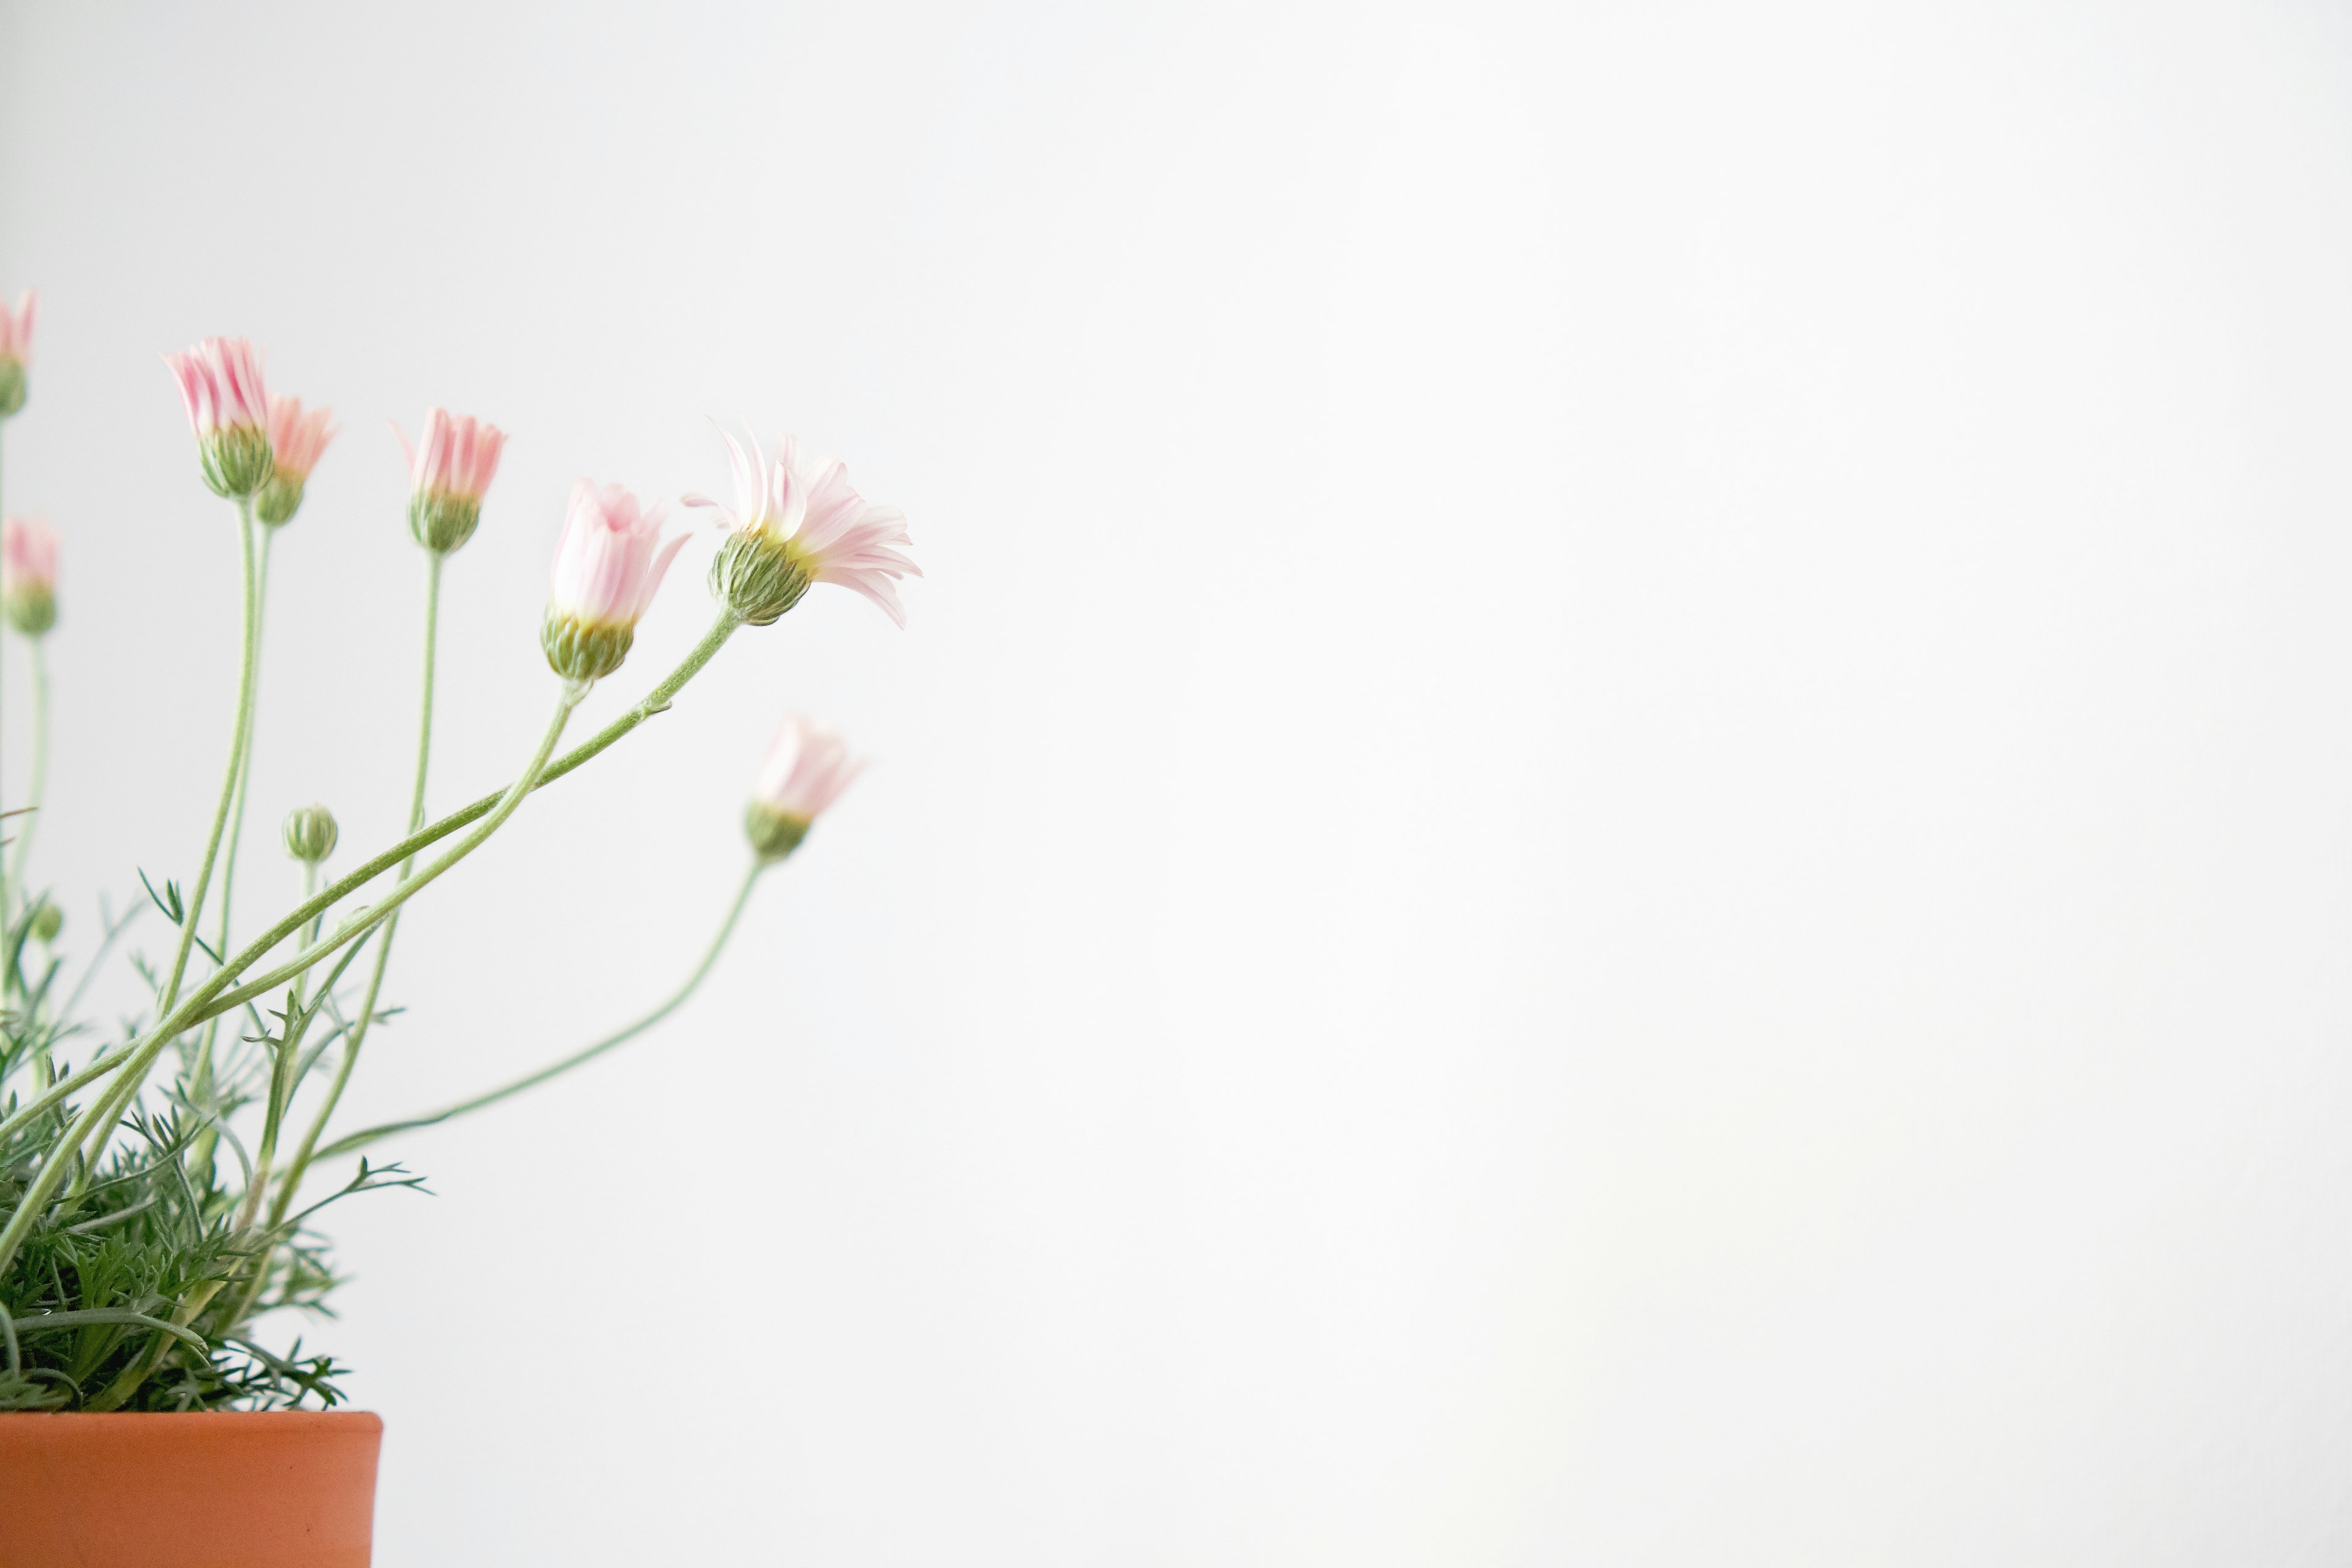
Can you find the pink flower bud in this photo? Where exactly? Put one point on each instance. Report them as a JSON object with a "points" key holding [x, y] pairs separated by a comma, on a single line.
{"points": [[228, 408], [16, 350], [607, 566], [450, 470], [17, 328], [28, 575], [296, 437], [806, 769], [797, 521], [296, 440]]}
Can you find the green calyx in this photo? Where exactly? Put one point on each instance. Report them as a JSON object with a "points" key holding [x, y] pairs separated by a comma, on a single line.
{"points": [[47, 921], [311, 832], [773, 834], [12, 387], [31, 608], [279, 500], [758, 576], [442, 521], [583, 651], [236, 460]]}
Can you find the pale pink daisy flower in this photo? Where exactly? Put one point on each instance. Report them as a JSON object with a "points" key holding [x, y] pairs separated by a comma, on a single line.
{"points": [[296, 437], [450, 470], [795, 521], [609, 563], [228, 408], [28, 575], [805, 770]]}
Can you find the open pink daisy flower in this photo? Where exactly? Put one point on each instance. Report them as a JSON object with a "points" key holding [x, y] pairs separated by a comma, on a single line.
{"points": [[802, 505]]}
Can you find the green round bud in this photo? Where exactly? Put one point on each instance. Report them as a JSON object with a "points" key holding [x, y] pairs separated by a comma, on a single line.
{"points": [[47, 921], [237, 460], [773, 834], [758, 576], [30, 607], [12, 387], [441, 522], [311, 832], [581, 650], [279, 500]]}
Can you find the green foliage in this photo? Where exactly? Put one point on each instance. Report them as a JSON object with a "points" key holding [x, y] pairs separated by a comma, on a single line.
{"points": [[140, 1282]]}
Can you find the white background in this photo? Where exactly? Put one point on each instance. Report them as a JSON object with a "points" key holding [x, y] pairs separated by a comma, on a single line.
{"points": [[1617, 826]]}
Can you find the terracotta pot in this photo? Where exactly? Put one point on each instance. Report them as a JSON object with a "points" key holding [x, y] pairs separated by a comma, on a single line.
{"points": [[282, 1489]]}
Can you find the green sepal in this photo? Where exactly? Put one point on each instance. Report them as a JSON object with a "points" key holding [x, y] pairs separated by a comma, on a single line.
{"points": [[773, 834], [442, 521], [583, 651], [31, 608], [279, 500], [236, 460], [758, 576], [12, 387]]}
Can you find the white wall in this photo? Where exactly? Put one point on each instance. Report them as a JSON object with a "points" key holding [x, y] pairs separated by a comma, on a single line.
{"points": [[1617, 826]]}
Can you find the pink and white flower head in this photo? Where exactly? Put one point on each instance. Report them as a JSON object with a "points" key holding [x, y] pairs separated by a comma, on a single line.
{"points": [[806, 769], [796, 522], [450, 470], [296, 437], [610, 561], [16, 350], [28, 575], [228, 408]]}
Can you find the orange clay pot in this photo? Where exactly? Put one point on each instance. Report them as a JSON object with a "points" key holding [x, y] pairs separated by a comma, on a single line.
{"points": [[280, 1489]]}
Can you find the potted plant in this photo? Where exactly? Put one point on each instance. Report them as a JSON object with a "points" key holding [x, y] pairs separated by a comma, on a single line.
{"points": [[162, 1185]]}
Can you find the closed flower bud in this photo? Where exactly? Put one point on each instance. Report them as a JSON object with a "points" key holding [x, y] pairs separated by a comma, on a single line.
{"points": [[28, 575], [796, 522], [16, 350], [311, 832], [449, 470], [228, 408], [296, 440], [47, 921], [806, 768], [607, 566]]}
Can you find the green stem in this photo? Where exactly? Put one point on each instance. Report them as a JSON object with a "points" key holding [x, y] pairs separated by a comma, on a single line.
{"points": [[195, 905], [359, 1140], [36, 786], [213, 996], [281, 1072], [207, 998], [201, 1079], [357, 1037]]}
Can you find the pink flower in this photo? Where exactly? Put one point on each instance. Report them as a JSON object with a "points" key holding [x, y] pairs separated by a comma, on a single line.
{"points": [[28, 575], [607, 566], [17, 328], [806, 769], [612, 558], [228, 408], [28, 554], [220, 381], [800, 507], [449, 470], [458, 455], [296, 437]]}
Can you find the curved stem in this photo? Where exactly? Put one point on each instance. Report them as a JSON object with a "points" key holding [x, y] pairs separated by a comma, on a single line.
{"points": [[658, 700], [207, 999], [359, 1140], [303, 1154], [195, 906], [13, 882], [408, 888], [110, 1107]]}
